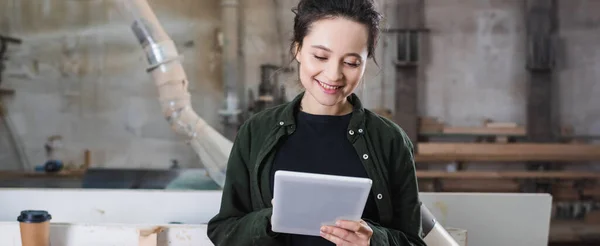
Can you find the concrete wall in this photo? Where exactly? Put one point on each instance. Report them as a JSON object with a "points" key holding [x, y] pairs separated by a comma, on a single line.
{"points": [[579, 65], [81, 75], [476, 64]]}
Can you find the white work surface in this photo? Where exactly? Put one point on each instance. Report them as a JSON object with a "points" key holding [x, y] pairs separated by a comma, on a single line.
{"points": [[490, 219], [112, 206], [109, 235]]}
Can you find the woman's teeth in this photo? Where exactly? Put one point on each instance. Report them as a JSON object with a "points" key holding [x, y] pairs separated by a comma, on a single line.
{"points": [[329, 87]]}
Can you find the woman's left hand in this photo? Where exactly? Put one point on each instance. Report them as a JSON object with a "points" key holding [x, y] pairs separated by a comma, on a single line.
{"points": [[348, 233]]}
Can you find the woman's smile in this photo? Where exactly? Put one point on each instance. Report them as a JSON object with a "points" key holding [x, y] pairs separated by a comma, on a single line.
{"points": [[328, 88]]}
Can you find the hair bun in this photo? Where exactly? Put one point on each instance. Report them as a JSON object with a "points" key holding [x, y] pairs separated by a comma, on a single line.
{"points": [[309, 11]]}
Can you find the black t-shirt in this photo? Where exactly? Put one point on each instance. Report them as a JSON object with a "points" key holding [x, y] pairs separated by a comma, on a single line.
{"points": [[320, 145]]}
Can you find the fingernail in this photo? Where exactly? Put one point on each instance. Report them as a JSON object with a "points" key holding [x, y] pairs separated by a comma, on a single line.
{"points": [[337, 223], [322, 228]]}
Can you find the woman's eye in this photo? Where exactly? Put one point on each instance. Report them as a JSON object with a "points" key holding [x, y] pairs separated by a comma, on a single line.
{"points": [[352, 64], [320, 58]]}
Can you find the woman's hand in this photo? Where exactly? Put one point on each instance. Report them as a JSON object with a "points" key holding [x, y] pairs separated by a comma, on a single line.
{"points": [[348, 233]]}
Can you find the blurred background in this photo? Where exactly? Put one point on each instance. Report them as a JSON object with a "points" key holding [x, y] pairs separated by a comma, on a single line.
{"points": [[497, 95]]}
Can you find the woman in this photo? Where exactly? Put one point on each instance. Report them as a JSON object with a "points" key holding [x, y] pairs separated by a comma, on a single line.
{"points": [[323, 130]]}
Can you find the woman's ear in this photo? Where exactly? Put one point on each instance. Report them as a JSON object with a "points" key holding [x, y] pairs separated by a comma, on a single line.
{"points": [[297, 52]]}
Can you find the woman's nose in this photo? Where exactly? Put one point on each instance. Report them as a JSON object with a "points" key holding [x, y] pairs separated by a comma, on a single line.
{"points": [[333, 72]]}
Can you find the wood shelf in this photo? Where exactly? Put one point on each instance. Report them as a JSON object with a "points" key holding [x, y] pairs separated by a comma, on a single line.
{"points": [[497, 131], [507, 175], [574, 232], [432, 152]]}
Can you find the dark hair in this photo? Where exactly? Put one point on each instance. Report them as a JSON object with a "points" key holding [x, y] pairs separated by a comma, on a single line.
{"points": [[361, 11]]}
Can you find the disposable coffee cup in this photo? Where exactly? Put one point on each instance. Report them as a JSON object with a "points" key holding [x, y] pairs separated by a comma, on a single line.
{"points": [[35, 227]]}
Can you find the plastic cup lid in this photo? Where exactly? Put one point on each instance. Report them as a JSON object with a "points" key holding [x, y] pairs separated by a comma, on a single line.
{"points": [[34, 216]]}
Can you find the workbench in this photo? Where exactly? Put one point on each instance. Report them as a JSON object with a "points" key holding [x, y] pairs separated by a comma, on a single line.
{"points": [[487, 219]]}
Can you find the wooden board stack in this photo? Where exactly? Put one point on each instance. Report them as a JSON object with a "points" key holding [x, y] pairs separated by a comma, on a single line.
{"points": [[430, 125]]}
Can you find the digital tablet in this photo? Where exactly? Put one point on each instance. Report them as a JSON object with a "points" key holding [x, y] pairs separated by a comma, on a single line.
{"points": [[303, 202]]}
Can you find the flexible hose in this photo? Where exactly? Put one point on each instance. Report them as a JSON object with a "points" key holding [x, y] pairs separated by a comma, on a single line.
{"points": [[164, 65]]}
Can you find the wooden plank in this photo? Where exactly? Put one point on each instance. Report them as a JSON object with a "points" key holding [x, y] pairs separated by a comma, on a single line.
{"points": [[565, 194], [423, 129], [462, 185], [507, 152], [425, 120], [593, 217], [507, 175], [149, 237], [505, 149], [508, 131], [593, 192], [420, 158], [430, 125], [572, 231], [501, 124]]}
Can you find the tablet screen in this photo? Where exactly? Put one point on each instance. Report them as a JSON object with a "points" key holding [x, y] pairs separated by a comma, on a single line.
{"points": [[303, 202]]}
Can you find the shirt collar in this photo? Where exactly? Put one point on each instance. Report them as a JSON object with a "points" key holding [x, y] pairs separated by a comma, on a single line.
{"points": [[357, 120]]}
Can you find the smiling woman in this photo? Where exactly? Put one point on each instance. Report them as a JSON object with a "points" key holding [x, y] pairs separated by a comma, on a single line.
{"points": [[332, 62], [324, 130]]}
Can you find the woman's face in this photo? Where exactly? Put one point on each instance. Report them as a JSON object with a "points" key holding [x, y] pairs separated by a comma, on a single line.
{"points": [[332, 60]]}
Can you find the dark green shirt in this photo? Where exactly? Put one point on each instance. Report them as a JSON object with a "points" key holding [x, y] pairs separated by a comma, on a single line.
{"points": [[319, 145], [384, 149]]}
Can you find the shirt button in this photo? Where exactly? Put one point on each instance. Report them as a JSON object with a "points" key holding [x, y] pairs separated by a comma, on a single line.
{"points": [[365, 156], [281, 123], [360, 130], [379, 196], [351, 132]]}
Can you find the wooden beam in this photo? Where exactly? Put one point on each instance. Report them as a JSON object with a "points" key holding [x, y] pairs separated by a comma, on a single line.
{"points": [[478, 185], [430, 152], [573, 232], [507, 131], [507, 175], [592, 192]]}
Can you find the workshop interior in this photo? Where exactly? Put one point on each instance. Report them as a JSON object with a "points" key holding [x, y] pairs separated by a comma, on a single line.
{"points": [[107, 100]]}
